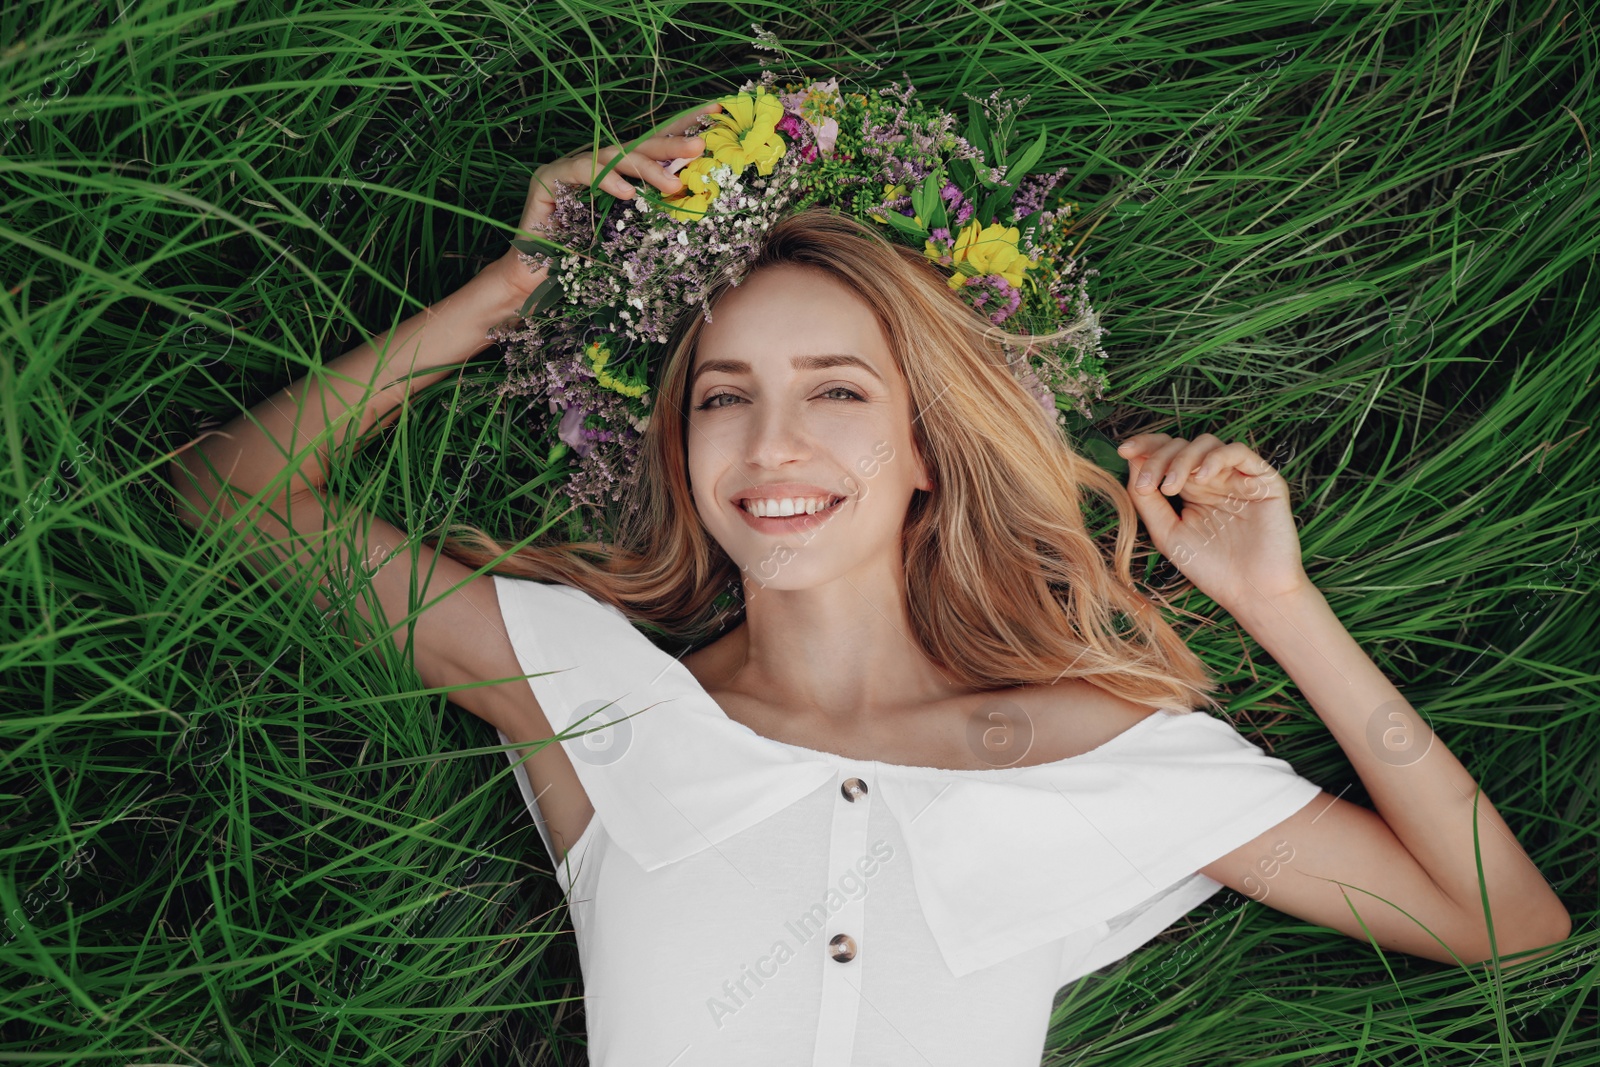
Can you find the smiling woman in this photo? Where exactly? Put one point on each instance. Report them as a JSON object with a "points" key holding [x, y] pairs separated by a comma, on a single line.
{"points": [[842, 365], [930, 675], [931, 663], [932, 668]]}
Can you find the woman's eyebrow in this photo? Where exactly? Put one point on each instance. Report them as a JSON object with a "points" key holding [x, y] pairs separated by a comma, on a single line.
{"points": [[818, 362]]}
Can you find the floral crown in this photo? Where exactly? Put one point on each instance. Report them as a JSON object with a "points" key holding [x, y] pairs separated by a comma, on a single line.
{"points": [[621, 272]]}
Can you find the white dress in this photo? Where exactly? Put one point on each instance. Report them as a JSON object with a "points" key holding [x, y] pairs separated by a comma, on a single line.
{"points": [[738, 900]]}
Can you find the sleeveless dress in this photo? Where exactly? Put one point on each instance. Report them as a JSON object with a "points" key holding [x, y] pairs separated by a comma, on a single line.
{"points": [[740, 900]]}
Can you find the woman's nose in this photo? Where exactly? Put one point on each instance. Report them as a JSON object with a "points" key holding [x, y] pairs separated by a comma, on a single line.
{"points": [[777, 435]]}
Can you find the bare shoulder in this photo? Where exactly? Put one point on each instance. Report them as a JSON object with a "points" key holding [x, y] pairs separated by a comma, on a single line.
{"points": [[1073, 716]]}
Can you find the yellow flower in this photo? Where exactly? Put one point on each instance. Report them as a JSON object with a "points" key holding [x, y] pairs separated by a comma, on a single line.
{"points": [[747, 132], [599, 355], [989, 250], [890, 192], [699, 190]]}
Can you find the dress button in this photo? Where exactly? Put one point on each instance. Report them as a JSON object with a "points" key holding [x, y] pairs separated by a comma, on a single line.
{"points": [[842, 948], [852, 788]]}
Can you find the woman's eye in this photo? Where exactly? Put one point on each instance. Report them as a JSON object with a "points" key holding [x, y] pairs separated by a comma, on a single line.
{"points": [[708, 403]]}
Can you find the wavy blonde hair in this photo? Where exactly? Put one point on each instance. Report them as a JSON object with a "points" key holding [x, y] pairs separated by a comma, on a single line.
{"points": [[1004, 584]]}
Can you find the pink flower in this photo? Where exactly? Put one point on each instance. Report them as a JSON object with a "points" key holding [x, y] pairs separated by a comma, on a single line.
{"points": [[815, 103], [827, 134]]}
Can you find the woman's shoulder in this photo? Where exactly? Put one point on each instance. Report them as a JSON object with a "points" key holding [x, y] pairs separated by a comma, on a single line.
{"points": [[1072, 716], [548, 593]]}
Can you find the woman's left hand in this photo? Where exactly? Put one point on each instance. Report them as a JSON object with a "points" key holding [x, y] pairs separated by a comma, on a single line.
{"points": [[1236, 538]]}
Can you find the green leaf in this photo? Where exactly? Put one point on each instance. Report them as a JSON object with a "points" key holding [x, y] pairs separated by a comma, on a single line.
{"points": [[993, 203], [547, 293], [537, 244], [925, 197], [962, 173], [939, 215], [1019, 165], [1104, 452], [977, 133], [906, 226]]}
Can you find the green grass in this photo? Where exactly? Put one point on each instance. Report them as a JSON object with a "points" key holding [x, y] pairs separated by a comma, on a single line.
{"points": [[1359, 236]]}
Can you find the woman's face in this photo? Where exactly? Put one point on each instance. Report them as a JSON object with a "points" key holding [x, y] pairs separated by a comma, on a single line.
{"points": [[794, 394]]}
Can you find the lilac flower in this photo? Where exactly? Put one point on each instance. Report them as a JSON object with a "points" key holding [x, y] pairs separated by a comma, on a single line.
{"points": [[1031, 194], [1041, 392], [981, 290], [956, 203], [572, 429]]}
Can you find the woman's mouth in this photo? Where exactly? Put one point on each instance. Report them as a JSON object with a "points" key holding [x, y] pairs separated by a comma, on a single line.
{"points": [[774, 521]]}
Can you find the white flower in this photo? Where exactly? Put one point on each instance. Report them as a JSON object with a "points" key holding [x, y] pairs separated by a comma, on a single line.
{"points": [[683, 237]]}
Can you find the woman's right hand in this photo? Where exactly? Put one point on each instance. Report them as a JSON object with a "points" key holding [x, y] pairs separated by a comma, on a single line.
{"points": [[647, 161]]}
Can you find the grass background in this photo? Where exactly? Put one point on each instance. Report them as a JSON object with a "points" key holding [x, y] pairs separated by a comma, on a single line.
{"points": [[1358, 235]]}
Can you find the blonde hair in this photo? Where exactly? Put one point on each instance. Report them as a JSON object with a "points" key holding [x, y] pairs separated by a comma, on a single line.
{"points": [[1004, 584]]}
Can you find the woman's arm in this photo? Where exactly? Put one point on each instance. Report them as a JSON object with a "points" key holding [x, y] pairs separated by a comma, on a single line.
{"points": [[1412, 863], [367, 385], [1428, 819], [350, 394]]}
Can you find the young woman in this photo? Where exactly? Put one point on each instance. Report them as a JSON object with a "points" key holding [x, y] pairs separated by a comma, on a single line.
{"points": [[948, 759]]}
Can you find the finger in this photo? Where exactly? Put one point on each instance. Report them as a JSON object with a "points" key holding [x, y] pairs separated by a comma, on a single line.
{"points": [[1236, 456], [691, 118], [642, 166], [660, 147], [1185, 461], [587, 170], [1141, 443], [583, 168], [1155, 510], [671, 146], [1219, 462], [687, 121], [1153, 467]]}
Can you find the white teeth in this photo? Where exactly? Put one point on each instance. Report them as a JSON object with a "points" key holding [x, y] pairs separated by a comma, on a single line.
{"points": [[766, 509]]}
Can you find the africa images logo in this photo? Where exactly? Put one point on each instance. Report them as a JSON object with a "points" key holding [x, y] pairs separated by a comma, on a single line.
{"points": [[852, 885]]}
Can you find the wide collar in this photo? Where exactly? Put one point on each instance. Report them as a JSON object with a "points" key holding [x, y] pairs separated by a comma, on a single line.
{"points": [[1002, 860]]}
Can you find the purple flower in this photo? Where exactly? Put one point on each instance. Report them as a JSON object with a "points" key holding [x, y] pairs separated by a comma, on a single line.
{"points": [[572, 430], [956, 203], [1030, 195], [1041, 392], [1006, 298]]}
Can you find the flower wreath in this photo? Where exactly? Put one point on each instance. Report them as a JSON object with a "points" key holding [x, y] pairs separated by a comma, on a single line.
{"points": [[621, 271]]}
